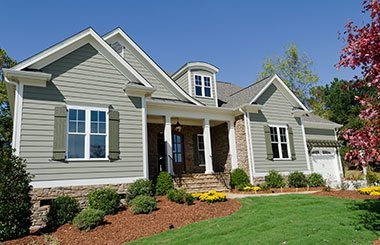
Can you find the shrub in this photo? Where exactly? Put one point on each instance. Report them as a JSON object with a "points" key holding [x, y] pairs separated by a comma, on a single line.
{"points": [[315, 180], [89, 218], [15, 201], [372, 178], [239, 178], [107, 200], [143, 204], [274, 179], [138, 188], [297, 179], [213, 196], [177, 195], [63, 209], [189, 199], [264, 186], [164, 183]]}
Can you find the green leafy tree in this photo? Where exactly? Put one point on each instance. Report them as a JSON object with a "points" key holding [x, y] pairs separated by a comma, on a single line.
{"points": [[294, 68], [5, 115]]}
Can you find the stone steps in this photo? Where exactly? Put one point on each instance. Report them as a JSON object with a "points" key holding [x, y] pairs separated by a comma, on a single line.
{"points": [[202, 182]]}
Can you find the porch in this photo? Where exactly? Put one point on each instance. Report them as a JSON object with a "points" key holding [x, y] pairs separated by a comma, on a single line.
{"points": [[188, 147]]}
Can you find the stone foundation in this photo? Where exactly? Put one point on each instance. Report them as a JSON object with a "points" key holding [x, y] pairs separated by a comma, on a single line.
{"points": [[41, 198]]}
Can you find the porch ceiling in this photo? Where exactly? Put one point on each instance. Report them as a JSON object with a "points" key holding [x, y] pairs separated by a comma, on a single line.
{"points": [[182, 121]]}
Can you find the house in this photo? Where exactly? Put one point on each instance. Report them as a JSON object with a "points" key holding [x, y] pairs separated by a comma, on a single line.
{"points": [[95, 111]]}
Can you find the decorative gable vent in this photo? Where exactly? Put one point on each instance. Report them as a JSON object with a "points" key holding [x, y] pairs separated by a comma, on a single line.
{"points": [[118, 48]]}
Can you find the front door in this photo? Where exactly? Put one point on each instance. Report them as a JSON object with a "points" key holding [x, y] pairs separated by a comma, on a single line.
{"points": [[178, 154]]}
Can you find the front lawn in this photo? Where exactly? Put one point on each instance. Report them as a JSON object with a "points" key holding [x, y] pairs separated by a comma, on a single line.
{"points": [[296, 219]]}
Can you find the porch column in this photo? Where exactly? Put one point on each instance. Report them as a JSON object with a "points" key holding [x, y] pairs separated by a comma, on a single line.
{"points": [[207, 146], [168, 143], [232, 144]]}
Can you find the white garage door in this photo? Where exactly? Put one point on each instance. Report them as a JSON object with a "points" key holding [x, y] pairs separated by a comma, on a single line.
{"points": [[325, 162]]}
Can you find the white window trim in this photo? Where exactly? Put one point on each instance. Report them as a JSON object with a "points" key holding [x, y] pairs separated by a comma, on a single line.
{"points": [[200, 135], [279, 142], [203, 87], [87, 133]]}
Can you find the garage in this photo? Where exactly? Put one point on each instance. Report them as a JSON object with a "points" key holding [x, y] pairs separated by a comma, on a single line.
{"points": [[325, 162]]}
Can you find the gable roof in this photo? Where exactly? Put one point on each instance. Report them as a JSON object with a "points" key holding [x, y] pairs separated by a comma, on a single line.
{"points": [[170, 81], [74, 42]]}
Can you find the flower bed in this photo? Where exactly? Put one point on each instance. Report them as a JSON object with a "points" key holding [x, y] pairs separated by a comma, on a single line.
{"points": [[210, 196], [256, 190]]}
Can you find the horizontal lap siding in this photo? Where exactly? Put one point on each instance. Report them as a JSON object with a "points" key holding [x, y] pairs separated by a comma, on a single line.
{"points": [[277, 110], [83, 76], [319, 134], [183, 82], [206, 101]]}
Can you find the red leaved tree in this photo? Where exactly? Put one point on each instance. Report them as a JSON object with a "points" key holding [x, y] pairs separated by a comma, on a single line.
{"points": [[363, 52]]}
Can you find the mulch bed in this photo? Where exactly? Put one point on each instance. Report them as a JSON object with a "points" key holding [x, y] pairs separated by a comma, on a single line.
{"points": [[280, 190], [345, 194], [124, 226]]}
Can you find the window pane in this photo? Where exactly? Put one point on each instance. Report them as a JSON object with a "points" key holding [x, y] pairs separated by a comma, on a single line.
{"points": [[276, 153], [102, 116], [72, 114], [201, 157], [102, 128], [94, 116], [284, 149], [72, 126], [198, 80], [273, 134], [81, 115], [94, 127], [76, 146], [283, 134], [198, 91], [81, 127], [208, 92], [207, 81], [98, 146]]}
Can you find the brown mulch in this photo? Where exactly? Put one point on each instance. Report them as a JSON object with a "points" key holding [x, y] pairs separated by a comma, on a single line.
{"points": [[280, 190], [124, 226], [345, 194]]}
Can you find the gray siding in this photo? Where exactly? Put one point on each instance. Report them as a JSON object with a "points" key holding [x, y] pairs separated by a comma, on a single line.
{"points": [[206, 101], [81, 77], [320, 134], [277, 110], [183, 82]]}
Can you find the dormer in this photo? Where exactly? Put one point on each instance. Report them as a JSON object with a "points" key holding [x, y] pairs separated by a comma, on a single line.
{"points": [[199, 80]]}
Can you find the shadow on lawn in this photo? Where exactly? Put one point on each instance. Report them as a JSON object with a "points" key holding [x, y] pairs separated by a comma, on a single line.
{"points": [[371, 218]]}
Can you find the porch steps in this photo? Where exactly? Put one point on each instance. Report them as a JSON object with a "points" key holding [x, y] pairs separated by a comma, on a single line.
{"points": [[203, 182]]}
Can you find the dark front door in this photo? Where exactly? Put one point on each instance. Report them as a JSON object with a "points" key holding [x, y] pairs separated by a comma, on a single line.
{"points": [[161, 153], [178, 154]]}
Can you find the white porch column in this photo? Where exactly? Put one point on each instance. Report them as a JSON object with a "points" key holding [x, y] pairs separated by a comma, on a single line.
{"points": [[232, 144], [207, 146], [168, 142]]}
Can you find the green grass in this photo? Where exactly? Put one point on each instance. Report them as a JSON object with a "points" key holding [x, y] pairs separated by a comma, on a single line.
{"points": [[296, 219]]}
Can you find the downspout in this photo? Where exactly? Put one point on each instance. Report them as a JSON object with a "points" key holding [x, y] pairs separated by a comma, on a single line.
{"points": [[249, 143], [15, 115]]}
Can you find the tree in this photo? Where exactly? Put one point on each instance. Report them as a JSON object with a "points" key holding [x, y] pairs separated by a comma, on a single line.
{"points": [[294, 69], [363, 52], [5, 115]]}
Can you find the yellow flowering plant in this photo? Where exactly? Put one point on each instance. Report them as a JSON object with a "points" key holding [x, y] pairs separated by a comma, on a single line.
{"points": [[372, 191], [210, 196], [252, 188]]}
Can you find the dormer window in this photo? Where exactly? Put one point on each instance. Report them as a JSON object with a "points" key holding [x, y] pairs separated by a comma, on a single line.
{"points": [[203, 86]]}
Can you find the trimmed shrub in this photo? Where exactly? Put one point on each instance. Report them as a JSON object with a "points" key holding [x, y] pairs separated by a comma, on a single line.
{"points": [[138, 188], [274, 179], [107, 200], [15, 201], [297, 179], [164, 183], [372, 178], [89, 218], [189, 199], [143, 205], [177, 195], [63, 209], [315, 180], [239, 178]]}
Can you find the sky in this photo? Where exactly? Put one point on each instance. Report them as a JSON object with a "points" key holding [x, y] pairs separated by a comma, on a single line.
{"points": [[235, 36]]}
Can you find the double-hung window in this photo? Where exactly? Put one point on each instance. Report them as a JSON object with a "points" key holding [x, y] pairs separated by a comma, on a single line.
{"points": [[87, 133], [201, 150], [280, 142], [203, 86]]}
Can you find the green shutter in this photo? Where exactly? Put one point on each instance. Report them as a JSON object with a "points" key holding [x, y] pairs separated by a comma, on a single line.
{"points": [[195, 150], [291, 143], [268, 142], [114, 150], [60, 131]]}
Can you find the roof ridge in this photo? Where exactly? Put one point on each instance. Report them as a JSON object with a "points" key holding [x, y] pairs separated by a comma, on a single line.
{"points": [[263, 79]]}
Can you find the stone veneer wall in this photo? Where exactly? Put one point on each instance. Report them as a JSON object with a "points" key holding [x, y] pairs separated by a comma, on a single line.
{"points": [[43, 195], [241, 144], [220, 148]]}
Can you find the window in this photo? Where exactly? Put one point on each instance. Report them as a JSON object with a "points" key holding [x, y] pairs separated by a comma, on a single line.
{"points": [[177, 148], [87, 133], [201, 150], [203, 86], [279, 140]]}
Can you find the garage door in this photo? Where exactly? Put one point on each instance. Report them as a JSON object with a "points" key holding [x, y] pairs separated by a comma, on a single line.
{"points": [[325, 162]]}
